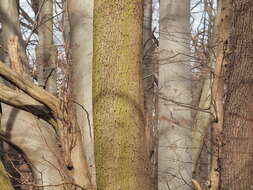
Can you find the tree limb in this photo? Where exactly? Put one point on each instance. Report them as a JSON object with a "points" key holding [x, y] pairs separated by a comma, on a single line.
{"points": [[29, 88], [23, 101]]}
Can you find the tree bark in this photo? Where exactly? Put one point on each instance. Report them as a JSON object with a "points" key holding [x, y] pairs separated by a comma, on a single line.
{"points": [[237, 145], [120, 146], [175, 120], [9, 19], [150, 71], [81, 49], [22, 128], [218, 91], [46, 51]]}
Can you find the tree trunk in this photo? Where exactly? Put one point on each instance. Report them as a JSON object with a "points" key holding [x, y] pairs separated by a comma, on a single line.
{"points": [[38, 141], [218, 91], [150, 87], [81, 48], [34, 137], [46, 51], [236, 155], [120, 146], [9, 19], [175, 121]]}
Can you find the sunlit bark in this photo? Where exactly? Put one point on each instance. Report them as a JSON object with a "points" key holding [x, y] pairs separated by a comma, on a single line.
{"points": [[120, 145], [81, 39]]}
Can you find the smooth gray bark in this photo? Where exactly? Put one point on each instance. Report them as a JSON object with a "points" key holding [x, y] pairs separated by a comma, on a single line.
{"points": [[81, 49], [175, 122]]}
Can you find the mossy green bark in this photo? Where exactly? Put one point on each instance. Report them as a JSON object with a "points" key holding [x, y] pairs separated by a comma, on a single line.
{"points": [[5, 183], [120, 153]]}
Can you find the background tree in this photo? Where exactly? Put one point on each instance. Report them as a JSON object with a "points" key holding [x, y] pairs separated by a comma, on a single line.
{"points": [[150, 71], [175, 121]]}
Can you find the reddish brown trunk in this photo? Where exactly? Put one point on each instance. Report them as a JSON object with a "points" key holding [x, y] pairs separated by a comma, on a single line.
{"points": [[237, 149]]}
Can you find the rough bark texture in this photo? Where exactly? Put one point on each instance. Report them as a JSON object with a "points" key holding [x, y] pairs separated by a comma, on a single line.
{"points": [[81, 27], [120, 149], [237, 149], [174, 151]]}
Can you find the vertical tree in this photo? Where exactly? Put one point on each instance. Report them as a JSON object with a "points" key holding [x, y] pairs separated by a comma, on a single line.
{"points": [[174, 151], [223, 22], [149, 76], [81, 50], [120, 148], [46, 51], [236, 151]]}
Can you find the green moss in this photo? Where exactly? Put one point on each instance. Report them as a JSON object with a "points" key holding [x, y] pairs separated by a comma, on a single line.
{"points": [[5, 183], [120, 155]]}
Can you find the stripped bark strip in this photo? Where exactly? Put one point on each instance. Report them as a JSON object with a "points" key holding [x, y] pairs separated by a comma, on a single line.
{"points": [[218, 93]]}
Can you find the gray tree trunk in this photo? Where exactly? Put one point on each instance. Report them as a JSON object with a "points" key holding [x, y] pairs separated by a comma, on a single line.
{"points": [[175, 121], [81, 49], [46, 51], [9, 19]]}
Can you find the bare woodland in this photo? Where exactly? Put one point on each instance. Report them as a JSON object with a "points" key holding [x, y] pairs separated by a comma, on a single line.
{"points": [[126, 94]]}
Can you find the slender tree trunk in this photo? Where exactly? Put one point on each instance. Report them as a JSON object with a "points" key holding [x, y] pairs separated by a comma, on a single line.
{"points": [[150, 87], [203, 118], [175, 121], [218, 91], [237, 145], [46, 51], [120, 146], [81, 48]]}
